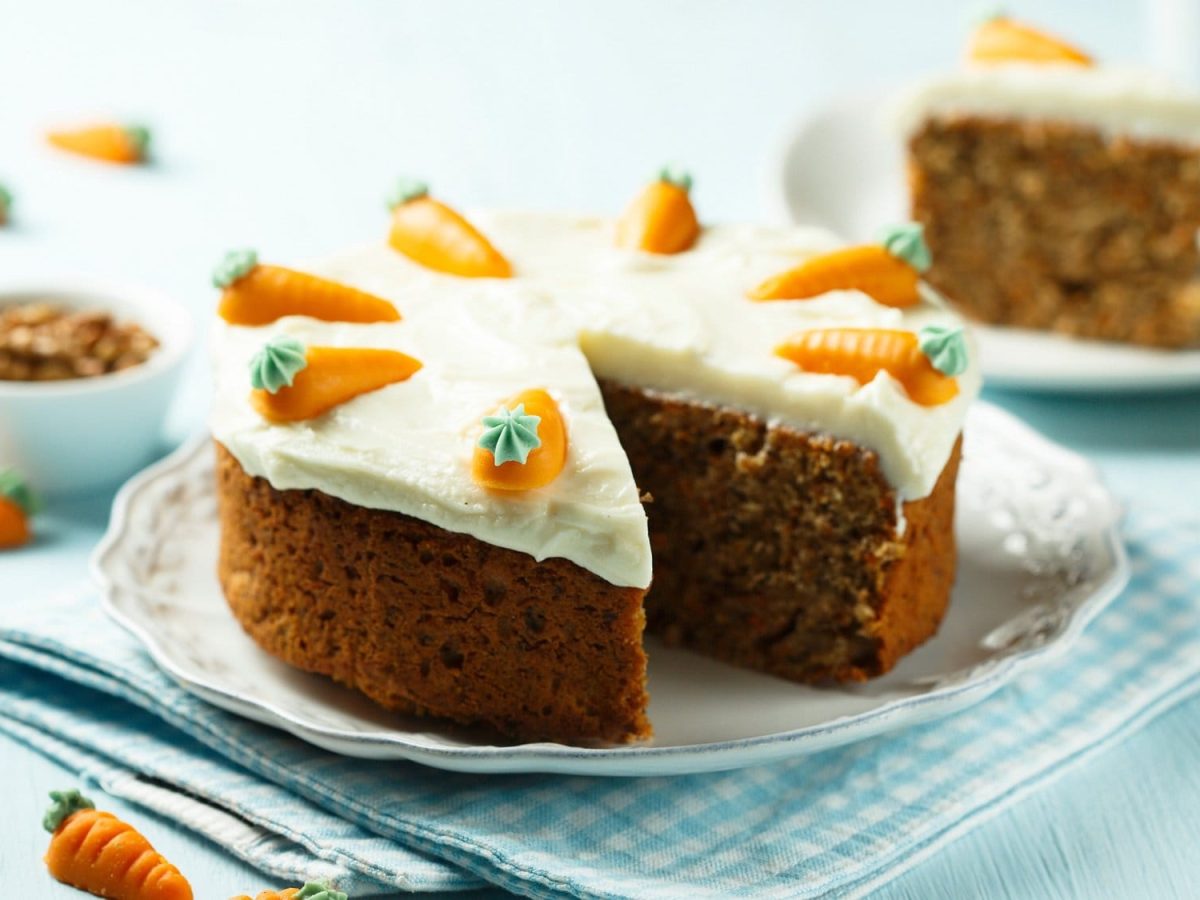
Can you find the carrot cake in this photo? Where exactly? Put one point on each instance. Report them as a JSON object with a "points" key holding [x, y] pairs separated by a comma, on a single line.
{"points": [[1057, 193], [451, 465]]}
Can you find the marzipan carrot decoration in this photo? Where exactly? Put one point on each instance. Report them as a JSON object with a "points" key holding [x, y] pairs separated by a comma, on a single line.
{"points": [[107, 142], [888, 272], [313, 890], [1000, 40], [292, 383], [256, 294], [923, 363], [6, 201], [523, 446], [661, 218], [433, 235], [98, 853], [17, 505]]}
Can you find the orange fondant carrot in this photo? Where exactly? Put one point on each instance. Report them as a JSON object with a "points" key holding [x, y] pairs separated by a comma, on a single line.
{"points": [[888, 272], [107, 142], [313, 890], [98, 853], [292, 383], [17, 504], [862, 353], [661, 218], [1000, 40], [256, 294], [6, 201], [523, 446], [433, 235], [14, 526]]}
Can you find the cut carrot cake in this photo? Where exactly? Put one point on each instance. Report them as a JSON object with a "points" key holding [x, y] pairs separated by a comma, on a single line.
{"points": [[450, 464], [1059, 194]]}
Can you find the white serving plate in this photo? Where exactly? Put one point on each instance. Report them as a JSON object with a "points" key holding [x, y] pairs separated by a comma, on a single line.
{"points": [[1039, 551], [842, 167]]}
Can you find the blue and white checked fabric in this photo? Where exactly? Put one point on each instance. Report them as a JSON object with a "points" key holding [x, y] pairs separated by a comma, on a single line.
{"points": [[837, 823]]}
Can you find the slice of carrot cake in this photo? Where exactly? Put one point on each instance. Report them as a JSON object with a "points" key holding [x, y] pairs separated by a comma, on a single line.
{"points": [[456, 528], [1059, 194]]}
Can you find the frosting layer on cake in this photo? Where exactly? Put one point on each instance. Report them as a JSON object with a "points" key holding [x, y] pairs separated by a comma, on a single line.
{"points": [[1114, 101], [577, 305]]}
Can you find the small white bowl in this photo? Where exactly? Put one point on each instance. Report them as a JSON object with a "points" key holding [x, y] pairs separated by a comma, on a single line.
{"points": [[84, 434]]}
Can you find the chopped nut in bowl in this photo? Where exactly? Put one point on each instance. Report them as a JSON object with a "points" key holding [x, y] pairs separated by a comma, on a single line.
{"points": [[86, 376], [43, 341]]}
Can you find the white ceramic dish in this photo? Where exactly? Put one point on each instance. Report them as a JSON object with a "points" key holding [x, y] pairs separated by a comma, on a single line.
{"points": [[842, 167], [87, 433], [1040, 556]]}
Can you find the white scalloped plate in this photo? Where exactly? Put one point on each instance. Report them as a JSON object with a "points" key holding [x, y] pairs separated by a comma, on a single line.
{"points": [[1039, 551], [842, 167]]}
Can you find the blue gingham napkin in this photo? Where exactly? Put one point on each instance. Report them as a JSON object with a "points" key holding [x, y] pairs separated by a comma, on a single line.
{"points": [[839, 823]]}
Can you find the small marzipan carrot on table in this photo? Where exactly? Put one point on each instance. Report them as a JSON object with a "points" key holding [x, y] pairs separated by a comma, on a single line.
{"points": [[661, 218], [106, 142], [293, 383], [523, 445], [999, 40], [924, 363], [17, 506], [888, 272], [433, 235], [98, 853], [313, 890], [257, 294]]}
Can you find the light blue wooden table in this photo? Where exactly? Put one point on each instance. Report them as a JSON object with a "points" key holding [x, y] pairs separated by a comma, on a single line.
{"points": [[281, 124]]}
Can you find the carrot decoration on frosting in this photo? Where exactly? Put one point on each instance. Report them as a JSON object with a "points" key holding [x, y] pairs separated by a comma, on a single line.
{"points": [[257, 294], [6, 202], [107, 142], [523, 446], [925, 363], [433, 235], [292, 383], [313, 890], [888, 272], [661, 218], [98, 853], [999, 40], [17, 505]]}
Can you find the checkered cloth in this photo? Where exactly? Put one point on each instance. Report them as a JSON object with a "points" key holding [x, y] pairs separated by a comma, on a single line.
{"points": [[840, 822]]}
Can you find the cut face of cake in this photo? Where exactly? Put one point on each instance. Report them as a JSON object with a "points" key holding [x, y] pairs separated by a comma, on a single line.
{"points": [[1058, 194], [798, 500]]}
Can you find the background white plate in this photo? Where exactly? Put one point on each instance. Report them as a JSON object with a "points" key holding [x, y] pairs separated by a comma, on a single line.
{"points": [[1039, 557], [843, 168]]}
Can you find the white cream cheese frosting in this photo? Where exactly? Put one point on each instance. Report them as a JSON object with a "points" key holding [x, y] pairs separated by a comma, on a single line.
{"points": [[1114, 101], [577, 307]]}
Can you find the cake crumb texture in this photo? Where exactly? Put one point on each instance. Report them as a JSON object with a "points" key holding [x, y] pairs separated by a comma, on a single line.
{"points": [[429, 622], [777, 550], [1055, 226]]}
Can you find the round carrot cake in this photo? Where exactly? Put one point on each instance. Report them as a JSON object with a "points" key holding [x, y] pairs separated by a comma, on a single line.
{"points": [[463, 470]]}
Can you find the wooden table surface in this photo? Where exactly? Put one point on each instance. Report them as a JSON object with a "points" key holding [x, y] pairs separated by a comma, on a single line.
{"points": [[281, 124]]}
